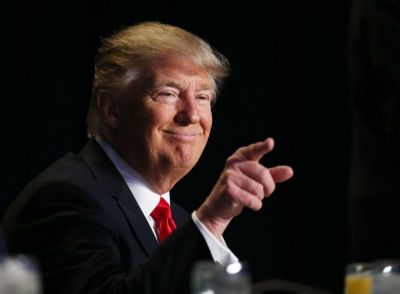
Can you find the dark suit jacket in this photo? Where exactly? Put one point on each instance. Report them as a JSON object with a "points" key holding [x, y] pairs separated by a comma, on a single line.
{"points": [[80, 220]]}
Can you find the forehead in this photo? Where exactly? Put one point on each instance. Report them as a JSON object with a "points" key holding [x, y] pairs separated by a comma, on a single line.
{"points": [[178, 70]]}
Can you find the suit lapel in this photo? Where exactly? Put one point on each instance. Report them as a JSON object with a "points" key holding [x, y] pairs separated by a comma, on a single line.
{"points": [[111, 180], [136, 219]]}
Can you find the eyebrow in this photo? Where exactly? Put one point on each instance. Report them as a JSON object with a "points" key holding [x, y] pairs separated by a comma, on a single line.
{"points": [[177, 85]]}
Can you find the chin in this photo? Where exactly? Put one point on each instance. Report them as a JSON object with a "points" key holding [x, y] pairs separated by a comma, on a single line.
{"points": [[182, 157], [186, 162]]}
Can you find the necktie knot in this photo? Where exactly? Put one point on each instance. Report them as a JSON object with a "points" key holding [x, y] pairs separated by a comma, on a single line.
{"points": [[163, 218], [162, 210]]}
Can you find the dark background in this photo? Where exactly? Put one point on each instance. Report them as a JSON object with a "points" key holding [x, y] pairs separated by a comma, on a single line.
{"points": [[288, 81]]}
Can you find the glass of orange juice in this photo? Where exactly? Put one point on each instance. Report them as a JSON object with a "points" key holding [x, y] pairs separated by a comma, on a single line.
{"points": [[358, 278]]}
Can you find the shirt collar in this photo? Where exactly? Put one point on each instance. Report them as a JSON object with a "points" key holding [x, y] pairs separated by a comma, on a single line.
{"points": [[142, 191]]}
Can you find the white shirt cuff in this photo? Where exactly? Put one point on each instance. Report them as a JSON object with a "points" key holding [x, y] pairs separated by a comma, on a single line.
{"points": [[219, 251]]}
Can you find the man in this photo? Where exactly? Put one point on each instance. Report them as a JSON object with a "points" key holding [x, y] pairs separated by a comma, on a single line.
{"points": [[89, 217]]}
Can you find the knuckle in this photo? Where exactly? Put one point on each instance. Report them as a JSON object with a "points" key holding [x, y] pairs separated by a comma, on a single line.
{"points": [[230, 187], [260, 190], [246, 201], [240, 149], [269, 189], [263, 174], [229, 175], [231, 160], [256, 188]]}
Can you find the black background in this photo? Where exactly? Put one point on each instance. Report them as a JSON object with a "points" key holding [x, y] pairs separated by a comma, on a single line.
{"points": [[288, 81]]}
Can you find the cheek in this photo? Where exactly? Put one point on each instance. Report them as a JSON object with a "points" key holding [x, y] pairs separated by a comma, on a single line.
{"points": [[207, 121], [144, 119], [159, 115]]}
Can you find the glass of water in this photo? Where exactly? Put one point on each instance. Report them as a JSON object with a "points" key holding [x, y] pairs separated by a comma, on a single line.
{"points": [[386, 277], [211, 278]]}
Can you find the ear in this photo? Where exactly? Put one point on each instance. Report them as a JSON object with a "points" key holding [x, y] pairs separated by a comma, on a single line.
{"points": [[108, 110]]}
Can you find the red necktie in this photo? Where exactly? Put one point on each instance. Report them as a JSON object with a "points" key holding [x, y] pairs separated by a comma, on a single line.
{"points": [[163, 217]]}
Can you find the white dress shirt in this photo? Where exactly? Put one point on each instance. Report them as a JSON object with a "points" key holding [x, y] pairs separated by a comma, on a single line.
{"points": [[148, 199]]}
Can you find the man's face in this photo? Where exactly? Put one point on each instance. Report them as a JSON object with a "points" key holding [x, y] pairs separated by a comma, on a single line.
{"points": [[165, 118]]}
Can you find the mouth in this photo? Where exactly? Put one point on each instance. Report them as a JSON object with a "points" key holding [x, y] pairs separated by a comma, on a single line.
{"points": [[183, 135]]}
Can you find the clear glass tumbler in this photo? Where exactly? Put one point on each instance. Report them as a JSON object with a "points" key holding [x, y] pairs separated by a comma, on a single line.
{"points": [[212, 278], [386, 277]]}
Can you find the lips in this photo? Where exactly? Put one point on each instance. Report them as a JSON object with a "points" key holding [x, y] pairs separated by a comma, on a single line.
{"points": [[184, 135]]}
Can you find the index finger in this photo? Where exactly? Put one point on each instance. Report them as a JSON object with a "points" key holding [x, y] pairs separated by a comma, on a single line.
{"points": [[257, 150]]}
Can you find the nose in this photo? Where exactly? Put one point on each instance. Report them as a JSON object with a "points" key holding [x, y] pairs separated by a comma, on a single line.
{"points": [[188, 112]]}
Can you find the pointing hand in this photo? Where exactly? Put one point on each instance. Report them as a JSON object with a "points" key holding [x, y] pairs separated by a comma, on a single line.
{"points": [[244, 182]]}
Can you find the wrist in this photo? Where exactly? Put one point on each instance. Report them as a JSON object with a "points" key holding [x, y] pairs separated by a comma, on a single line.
{"points": [[213, 224]]}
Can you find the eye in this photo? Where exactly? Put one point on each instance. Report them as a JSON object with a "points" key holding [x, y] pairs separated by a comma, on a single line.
{"points": [[167, 97], [203, 99]]}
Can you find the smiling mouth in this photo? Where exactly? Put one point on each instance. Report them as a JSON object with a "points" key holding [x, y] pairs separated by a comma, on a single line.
{"points": [[183, 135]]}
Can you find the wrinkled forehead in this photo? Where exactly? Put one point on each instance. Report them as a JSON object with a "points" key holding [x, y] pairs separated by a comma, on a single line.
{"points": [[175, 68]]}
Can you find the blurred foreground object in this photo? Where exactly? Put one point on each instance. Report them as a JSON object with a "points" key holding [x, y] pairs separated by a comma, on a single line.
{"points": [[19, 275], [212, 278]]}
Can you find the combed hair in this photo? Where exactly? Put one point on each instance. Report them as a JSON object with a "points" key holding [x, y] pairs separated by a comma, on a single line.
{"points": [[121, 57]]}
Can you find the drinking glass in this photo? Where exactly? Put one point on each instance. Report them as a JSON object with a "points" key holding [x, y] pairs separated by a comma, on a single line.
{"points": [[386, 277], [358, 278], [211, 278]]}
